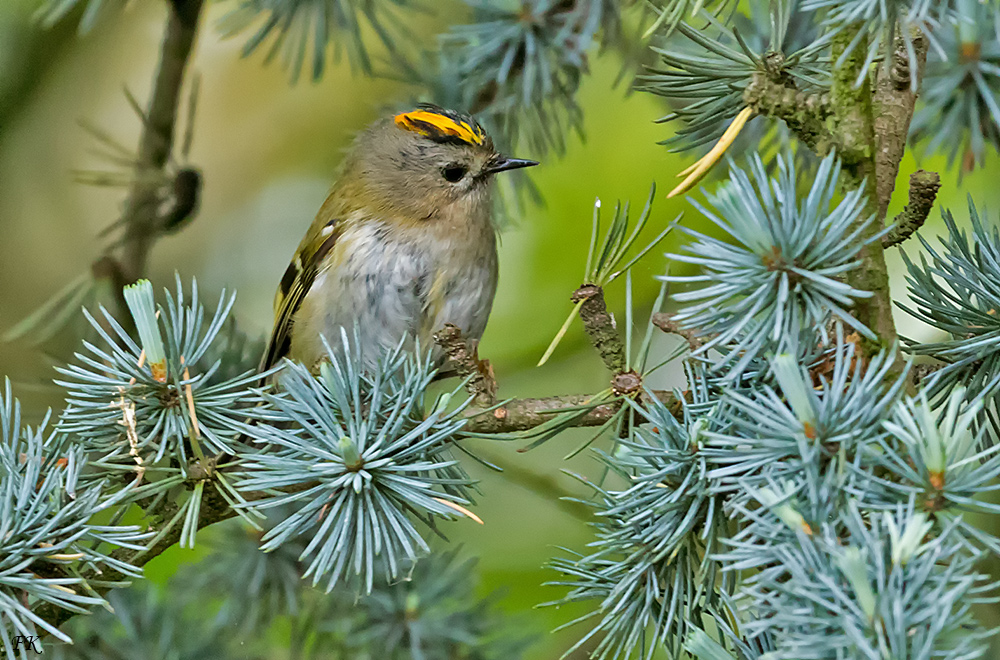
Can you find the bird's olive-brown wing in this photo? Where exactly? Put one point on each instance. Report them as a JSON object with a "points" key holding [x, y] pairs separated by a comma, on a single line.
{"points": [[295, 285]]}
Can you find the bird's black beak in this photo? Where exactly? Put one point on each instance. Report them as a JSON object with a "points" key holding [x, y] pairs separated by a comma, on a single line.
{"points": [[502, 163]]}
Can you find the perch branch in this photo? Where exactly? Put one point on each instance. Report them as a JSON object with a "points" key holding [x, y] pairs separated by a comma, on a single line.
{"points": [[480, 383], [924, 187], [526, 414]]}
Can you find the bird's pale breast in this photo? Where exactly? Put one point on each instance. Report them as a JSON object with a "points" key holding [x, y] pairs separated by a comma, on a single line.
{"points": [[395, 286]]}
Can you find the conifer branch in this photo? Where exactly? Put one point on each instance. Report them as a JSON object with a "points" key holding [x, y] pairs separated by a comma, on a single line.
{"points": [[793, 475], [512, 416], [141, 217]]}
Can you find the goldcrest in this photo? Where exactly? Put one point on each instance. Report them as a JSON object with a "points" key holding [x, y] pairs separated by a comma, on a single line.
{"points": [[404, 243]]}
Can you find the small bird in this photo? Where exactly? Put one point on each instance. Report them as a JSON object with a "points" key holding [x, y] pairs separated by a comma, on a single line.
{"points": [[404, 243]]}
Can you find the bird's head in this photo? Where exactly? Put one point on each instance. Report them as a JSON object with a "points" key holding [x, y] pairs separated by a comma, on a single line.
{"points": [[426, 163]]}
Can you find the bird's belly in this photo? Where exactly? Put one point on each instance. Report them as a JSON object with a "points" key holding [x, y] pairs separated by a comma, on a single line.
{"points": [[394, 294]]}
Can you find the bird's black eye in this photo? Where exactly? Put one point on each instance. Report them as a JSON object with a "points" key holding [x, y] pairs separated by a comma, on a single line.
{"points": [[454, 173]]}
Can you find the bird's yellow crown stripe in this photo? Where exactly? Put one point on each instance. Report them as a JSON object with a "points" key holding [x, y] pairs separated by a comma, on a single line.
{"points": [[432, 124]]}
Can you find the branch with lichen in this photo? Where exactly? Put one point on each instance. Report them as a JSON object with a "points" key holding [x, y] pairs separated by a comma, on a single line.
{"points": [[851, 104], [924, 187], [600, 326], [805, 113]]}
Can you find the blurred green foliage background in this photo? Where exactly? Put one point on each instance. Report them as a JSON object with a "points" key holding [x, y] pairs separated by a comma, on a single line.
{"points": [[267, 150]]}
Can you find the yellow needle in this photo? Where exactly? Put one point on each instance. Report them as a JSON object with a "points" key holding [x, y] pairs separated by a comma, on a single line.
{"points": [[695, 172]]}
